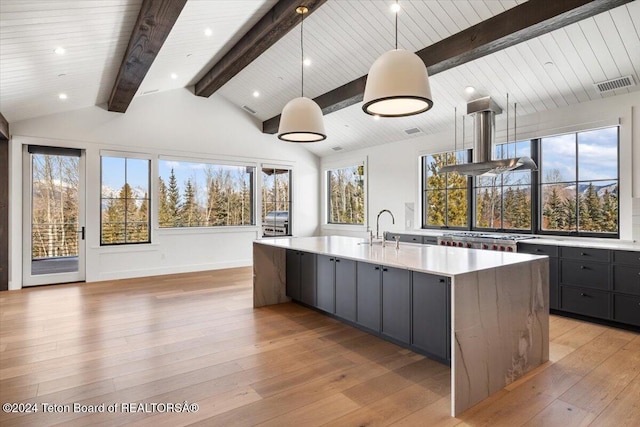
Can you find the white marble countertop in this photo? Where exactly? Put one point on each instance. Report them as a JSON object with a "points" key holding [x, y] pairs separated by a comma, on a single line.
{"points": [[440, 260], [579, 242]]}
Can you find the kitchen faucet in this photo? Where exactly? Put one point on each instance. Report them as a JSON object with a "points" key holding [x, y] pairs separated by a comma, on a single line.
{"points": [[378, 221]]}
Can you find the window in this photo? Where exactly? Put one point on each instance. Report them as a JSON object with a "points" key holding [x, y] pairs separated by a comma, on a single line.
{"points": [[345, 195], [579, 182], [124, 200], [503, 202], [198, 194], [276, 201], [445, 195]]}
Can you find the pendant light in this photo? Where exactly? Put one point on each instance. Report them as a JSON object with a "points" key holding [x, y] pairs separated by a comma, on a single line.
{"points": [[301, 119], [397, 84]]}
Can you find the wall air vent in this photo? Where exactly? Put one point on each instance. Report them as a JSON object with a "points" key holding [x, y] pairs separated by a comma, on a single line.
{"points": [[413, 131], [249, 109], [619, 83], [336, 148]]}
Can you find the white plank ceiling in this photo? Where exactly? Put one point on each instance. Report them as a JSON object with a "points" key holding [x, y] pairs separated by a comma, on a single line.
{"points": [[342, 39]]}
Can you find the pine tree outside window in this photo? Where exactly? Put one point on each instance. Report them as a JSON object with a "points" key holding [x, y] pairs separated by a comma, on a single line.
{"points": [[445, 196], [124, 200], [345, 195], [503, 202], [199, 194], [579, 183]]}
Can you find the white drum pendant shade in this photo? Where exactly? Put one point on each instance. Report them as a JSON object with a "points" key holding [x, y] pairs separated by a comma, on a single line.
{"points": [[301, 121], [397, 86]]}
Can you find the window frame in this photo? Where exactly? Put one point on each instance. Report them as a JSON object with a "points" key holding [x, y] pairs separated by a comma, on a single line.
{"points": [[540, 184], [290, 219], [534, 194], [214, 162], [424, 198], [327, 194], [150, 205]]}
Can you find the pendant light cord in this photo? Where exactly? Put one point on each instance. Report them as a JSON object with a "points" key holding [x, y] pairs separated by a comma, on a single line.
{"points": [[302, 54], [397, 12]]}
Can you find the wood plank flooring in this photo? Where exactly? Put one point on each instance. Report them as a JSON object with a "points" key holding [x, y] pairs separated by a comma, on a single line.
{"points": [[195, 337]]}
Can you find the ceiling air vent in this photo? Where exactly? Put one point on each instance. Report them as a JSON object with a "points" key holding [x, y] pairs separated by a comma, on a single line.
{"points": [[336, 148], [150, 91], [413, 131], [249, 109], [619, 83]]}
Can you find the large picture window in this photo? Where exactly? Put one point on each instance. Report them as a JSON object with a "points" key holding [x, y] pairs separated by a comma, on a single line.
{"points": [[579, 182], [198, 194], [503, 202], [445, 196], [124, 200], [345, 195], [276, 201]]}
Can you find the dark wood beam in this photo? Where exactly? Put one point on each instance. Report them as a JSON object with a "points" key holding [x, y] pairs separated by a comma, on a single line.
{"points": [[523, 22], [4, 128], [155, 21], [281, 19]]}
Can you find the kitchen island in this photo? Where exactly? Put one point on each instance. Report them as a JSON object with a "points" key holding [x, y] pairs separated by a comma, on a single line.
{"points": [[497, 303]]}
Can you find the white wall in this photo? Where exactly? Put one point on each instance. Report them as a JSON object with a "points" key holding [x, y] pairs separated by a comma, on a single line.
{"points": [[393, 169], [169, 123]]}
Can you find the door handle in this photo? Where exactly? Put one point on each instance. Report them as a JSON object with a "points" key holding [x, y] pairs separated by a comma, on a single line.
{"points": [[81, 231]]}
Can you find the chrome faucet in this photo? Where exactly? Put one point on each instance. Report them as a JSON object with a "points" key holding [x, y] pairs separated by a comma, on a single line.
{"points": [[378, 222]]}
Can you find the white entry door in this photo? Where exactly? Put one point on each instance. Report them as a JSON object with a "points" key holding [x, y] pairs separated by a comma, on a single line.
{"points": [[53, 216]]}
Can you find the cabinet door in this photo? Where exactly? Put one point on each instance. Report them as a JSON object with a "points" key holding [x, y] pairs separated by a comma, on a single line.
{"points": [[430, 313], [626, 309], [293, 274], [396, 304], [308, 278], [346, 288], [326, 283], [369, 292], [626, 279]]}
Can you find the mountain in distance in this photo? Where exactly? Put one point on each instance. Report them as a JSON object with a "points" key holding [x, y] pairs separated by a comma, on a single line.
{"points": [[600, 189], [137, 193]]}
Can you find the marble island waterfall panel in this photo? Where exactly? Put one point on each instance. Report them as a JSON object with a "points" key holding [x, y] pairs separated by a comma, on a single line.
{"points": [[500, 321], [269, 275]]}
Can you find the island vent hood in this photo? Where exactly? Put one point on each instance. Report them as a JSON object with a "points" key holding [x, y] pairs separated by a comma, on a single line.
{"points": [[485, 110]]}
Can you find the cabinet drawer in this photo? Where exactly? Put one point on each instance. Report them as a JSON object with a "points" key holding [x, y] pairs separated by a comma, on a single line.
{"points": [[591, 274], [585, 301], [529, 248], [626, 309], [626, 279], [586, 254], [627, 257]]}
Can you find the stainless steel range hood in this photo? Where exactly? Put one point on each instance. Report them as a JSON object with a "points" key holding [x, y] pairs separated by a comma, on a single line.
{"points": [[485, 110]]}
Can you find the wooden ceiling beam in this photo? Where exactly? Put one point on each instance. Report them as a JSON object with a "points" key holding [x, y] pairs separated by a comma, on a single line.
{"points": [[154, 23], [281, 19], [523, 22], [4, 128]]}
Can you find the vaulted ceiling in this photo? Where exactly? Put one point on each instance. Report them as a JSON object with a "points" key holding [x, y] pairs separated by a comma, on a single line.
{"points": [[342, 39]]}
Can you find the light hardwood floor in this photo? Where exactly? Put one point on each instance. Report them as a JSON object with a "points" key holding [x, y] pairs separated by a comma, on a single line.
{"points": [[195, 337]]}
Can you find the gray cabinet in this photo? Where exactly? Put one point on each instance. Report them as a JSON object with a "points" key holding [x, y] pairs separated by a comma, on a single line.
{"points": [[336, 286], [626, 309], [430, 310], [554, 265], [396, 304], [326, 284], [369, 295], [301, 276], [584, 273], [589, 302], [345, 286]]}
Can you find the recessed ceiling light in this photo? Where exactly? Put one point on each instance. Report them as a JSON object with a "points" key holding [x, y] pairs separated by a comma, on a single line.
{"points": [[174, 76], [306, 62], [208, 32], [62, 96], [469, 89], [548, 64], [395, 8], [60, 50], [256, 94]]}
